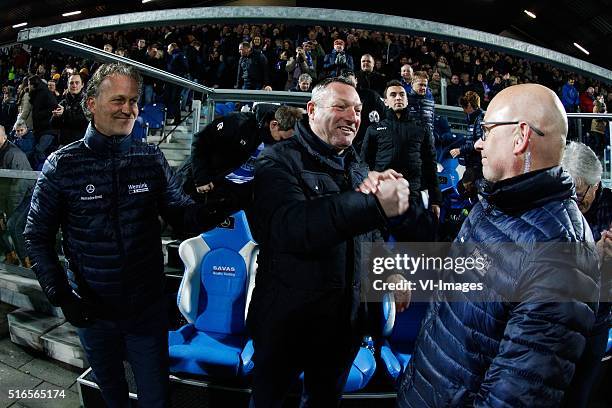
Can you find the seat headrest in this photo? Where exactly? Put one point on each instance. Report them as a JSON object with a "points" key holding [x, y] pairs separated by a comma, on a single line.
{"points": [[234, 233]]}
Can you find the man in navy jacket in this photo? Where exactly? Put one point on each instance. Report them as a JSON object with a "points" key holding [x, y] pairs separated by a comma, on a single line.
{"points": [[106, 192], [518, 342]]}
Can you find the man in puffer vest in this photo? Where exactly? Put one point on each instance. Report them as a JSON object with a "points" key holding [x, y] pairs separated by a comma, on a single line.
{"points": [[518, 343]]}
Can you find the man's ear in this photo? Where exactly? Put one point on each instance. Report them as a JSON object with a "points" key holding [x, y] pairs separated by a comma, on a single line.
{"points": [[521, 139], [91, 104], [273, 125], [310, 108]]}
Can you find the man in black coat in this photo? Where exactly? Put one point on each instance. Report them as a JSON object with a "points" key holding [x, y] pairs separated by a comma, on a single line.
{"points": [[309, 222], [43, 103], [12, 193], [106, 192], [373, 109], [69, 117], [252, 68], [368, 78], [404, 144], [223, 155]]}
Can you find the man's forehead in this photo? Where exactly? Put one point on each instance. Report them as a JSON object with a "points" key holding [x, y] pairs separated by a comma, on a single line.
{"points": [[118, 82], [343, 94], [396, 89]]}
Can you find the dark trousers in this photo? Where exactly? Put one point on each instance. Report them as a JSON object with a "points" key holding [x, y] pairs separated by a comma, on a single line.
{"points": [[292, 336], [173, 101], [143, 341]]}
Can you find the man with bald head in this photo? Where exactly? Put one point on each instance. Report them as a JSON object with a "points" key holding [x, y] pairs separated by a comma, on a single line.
{"points": [[516, 342]]}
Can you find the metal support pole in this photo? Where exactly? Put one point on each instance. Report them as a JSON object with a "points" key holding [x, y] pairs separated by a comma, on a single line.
{"points": [[443, 90], [196, 107]]}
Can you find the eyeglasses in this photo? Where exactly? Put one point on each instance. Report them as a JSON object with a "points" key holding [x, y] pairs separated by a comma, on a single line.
{"points": [[580, 197], [488, 126]]}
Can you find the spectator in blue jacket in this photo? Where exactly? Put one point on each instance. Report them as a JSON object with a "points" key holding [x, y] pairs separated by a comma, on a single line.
{"points": [[518, 341], [570, 97], [24, 139], [337, 61]]}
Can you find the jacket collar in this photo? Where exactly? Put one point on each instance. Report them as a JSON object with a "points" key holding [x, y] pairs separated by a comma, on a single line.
{"points": [[320, 150], [106, 145], [390, 115], [527, 191]]}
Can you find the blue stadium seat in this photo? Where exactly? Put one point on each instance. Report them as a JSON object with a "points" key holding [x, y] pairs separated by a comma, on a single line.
{"points": [[139, 133], [213, 297], [154, 115], [401, 331], [362, 370]]}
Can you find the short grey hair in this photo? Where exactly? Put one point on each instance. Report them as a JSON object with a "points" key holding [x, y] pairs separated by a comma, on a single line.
{"points": [[20, 123], [106, 70], [582, 164], [305, 77], [320, 88]]}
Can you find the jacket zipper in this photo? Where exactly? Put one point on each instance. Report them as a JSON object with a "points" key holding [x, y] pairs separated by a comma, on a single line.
{"points": [[115, 204]]}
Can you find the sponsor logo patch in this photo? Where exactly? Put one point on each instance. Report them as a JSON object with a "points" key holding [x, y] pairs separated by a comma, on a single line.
{"points": [[138, 188]]}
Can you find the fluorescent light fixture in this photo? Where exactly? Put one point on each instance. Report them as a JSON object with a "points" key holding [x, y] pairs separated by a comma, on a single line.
{"points": [[581, 48], [20, 25], [146, 1], [529, 13], [72, 13]]}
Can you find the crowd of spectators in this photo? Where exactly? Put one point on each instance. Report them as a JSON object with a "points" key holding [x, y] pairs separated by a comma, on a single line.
{"points": [[282, 57]]}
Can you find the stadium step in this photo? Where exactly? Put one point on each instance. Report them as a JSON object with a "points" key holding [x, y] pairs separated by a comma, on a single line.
{"points": [[27, 326], [175, 154], [20, 288], [62, 344]]}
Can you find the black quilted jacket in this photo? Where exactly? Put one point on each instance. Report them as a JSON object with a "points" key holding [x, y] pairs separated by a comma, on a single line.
{"points": [[106, 194]]}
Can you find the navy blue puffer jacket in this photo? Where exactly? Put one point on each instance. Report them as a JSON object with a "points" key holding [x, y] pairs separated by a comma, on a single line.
{"points": [[506, 352], [106, 194]]}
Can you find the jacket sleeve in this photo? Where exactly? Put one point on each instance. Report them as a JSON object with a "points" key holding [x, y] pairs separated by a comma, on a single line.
{"points": [[544, 337], [368, 147], [349, 63], [179, 210], [239, 75], [201, 147], [329, 61], [265, 69], [430, 169], [26, 108], [287, 221], [468, 145], [383, 150], [291, 65], [40, 231]]}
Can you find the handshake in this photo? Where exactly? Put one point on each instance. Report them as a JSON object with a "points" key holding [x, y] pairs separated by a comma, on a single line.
{"points": [[391, 190]]}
